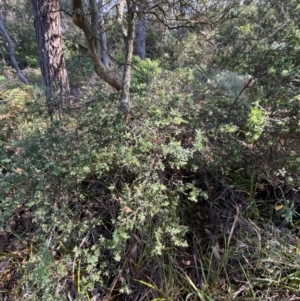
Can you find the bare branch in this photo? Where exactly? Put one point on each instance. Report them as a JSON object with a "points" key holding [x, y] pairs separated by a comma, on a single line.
{"points": [[11, 51]]}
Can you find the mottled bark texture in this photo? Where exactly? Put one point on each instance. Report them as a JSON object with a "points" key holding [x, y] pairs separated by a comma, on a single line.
{"points": [[11, 51], [50, 53]]}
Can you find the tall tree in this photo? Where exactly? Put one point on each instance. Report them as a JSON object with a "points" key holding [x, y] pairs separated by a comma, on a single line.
{"points": [[11, 51], [50, 52], [140, 37], [128, 36], [174, 17], [104, 53]]}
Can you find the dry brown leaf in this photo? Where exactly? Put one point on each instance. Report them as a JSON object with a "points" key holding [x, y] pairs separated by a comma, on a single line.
{"points": [[124, 207]]}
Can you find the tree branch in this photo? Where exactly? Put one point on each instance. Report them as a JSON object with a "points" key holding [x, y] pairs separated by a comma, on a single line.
{"points": [[11, 52], [91, 49]]}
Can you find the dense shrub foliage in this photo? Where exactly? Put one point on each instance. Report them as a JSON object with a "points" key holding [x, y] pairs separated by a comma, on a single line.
{"points": [[99, 191], [196, 197]]}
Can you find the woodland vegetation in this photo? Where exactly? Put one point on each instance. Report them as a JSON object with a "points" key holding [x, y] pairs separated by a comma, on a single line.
{"points": [[149, 150]]}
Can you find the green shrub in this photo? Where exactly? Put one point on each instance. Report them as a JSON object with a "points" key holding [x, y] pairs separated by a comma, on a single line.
{"points": [[110, 199]]}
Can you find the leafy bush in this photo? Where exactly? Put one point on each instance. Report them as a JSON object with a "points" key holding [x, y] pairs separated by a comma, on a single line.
{"points": [[108, 200], [143, 71], [175, 203], [14, 103]]}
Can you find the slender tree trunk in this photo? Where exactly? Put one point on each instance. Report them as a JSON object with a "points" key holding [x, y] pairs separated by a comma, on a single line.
{"points": [[11, 51], [95, 27], [104, 53], [140, 37], [128, 36], [50, 52]]}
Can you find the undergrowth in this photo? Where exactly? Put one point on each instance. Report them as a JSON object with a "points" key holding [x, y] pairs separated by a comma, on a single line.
{"points": [[184, 202]]}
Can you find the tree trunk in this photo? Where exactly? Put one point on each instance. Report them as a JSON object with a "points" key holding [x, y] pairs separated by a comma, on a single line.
{"points": [[91, 50], [11, 51], [128, 36], [50, 52], [104, 53], [140, 37]]}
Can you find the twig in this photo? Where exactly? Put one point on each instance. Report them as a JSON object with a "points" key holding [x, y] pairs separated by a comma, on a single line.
{"points": [[233, 226], [241, 92]]}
